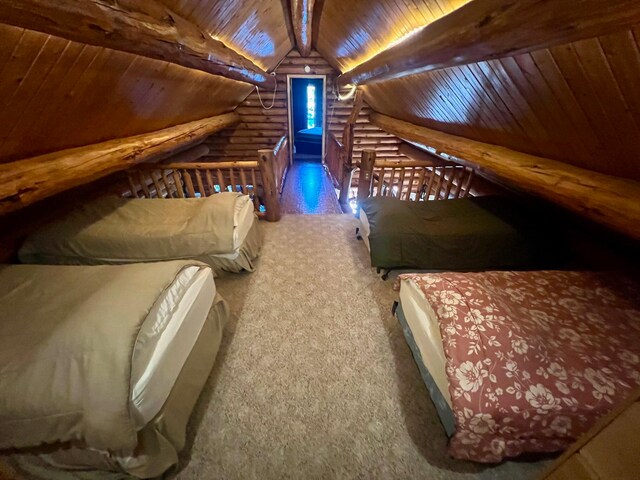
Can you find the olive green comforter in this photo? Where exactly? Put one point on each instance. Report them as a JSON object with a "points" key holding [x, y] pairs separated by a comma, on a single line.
{"points": [[480, 233]]}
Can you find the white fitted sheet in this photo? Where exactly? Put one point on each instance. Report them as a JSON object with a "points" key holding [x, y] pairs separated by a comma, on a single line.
{"points": [[364, 228], [166, 338], [426, 332], [243, 219]]}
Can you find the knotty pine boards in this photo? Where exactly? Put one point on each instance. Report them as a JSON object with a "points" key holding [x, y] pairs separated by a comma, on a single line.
{"points": [[57, 94], [261, 129], [578, 103], [259, 30]]}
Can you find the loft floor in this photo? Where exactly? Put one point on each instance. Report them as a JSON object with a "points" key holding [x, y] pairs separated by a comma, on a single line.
{"points": [[314, 378], [308, 190]]}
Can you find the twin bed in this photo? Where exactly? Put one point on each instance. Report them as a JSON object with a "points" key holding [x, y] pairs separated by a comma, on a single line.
{"points": [[110, 363], [105, 350], [220, 230], [466, 234], [521, 361], [514, 361]]}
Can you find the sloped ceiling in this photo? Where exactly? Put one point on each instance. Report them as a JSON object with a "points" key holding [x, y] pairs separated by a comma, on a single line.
{"points": [[350, 32], [259, 30], [57, 94], [578, 103]]}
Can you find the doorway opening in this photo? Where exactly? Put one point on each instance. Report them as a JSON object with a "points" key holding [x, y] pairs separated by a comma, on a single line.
{"points": [[306, 117]]}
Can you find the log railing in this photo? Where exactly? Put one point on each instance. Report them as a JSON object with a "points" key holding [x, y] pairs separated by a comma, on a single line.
{"points": [[411, 180], [262, 179], [282, 161], [334, 160]]}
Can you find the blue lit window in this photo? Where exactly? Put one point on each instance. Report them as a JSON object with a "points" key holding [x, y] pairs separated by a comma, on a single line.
{"points": [[311, 106]]}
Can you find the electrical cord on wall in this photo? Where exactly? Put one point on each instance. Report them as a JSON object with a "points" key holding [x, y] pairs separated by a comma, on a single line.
{"points": [[275, 89]]}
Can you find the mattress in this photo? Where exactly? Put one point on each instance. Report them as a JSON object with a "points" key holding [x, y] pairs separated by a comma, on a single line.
{"points": [[533, 358], [115, 230], [480, 233], [423, 323], [365, 230], [166, 339], [311, 135], [106, 319], [243, 219]]}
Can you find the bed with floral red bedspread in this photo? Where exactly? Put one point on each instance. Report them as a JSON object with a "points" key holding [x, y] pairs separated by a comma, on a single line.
{"points": [[533, 358]]}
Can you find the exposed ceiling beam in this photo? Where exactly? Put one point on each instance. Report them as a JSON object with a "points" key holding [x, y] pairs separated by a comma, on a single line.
{"points": [[608, 200], [302, 19], [487, 29], [27, 181], [146, 28]]}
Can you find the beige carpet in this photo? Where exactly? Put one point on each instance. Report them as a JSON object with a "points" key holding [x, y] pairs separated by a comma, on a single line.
{"points": [[314, 378]]}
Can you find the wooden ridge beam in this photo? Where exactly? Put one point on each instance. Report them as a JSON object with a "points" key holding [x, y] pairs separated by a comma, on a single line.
{"points": [[611, 201], [302, 19], [487, 29], [27, 181], [145, 28]]}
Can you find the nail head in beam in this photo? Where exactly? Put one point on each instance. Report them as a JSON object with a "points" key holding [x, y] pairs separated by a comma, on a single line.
{"points": [[27, 181], [148, 29], [610, 201], [484, 30]]}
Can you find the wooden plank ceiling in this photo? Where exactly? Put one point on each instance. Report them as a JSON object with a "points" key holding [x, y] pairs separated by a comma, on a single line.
{"points": [[57, 94], [259, 30], [578, 103]]}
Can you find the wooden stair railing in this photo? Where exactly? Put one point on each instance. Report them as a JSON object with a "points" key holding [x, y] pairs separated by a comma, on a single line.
{"points": [[334, 160], [196, 180], [262, 179], [282, 161], [412, 180]]}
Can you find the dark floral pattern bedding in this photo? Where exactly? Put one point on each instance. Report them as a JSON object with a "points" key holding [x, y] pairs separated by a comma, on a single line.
{"points": [[533, 358]]}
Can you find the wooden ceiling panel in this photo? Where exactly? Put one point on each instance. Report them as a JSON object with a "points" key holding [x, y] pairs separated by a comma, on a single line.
{"points": [[351, 32], [578, 103], [259, 30], [56, 94]]}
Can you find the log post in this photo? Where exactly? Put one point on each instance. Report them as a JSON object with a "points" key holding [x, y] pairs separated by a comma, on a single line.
{"points": [[366, 174], [266, 161], [346, 161], [347, 147]]}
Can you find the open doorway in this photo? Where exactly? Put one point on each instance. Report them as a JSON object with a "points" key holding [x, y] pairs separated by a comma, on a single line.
{"points": [[306, 117]]}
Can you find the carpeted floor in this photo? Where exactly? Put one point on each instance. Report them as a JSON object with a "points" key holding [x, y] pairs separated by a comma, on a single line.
{"points": [[308, 190], [314, 378]]}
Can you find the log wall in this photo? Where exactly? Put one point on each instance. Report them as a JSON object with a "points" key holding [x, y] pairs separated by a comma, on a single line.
{"points": [[261, 128]]}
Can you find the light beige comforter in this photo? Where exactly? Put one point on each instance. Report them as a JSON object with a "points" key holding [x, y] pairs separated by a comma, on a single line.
{"points": [[118, 230], [67, 336]]}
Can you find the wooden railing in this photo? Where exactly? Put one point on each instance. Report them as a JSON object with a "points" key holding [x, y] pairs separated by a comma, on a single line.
{"points": [[334, 160], [262, 179], [282, 161], [412, 180]]}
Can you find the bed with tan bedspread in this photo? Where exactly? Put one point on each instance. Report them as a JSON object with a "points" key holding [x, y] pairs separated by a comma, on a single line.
{"points": [[221, 230], [90, 357], [532, 358]]}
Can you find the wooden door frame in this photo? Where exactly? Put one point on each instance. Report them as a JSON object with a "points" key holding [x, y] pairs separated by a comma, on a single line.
{"points": [[290, 77]]}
